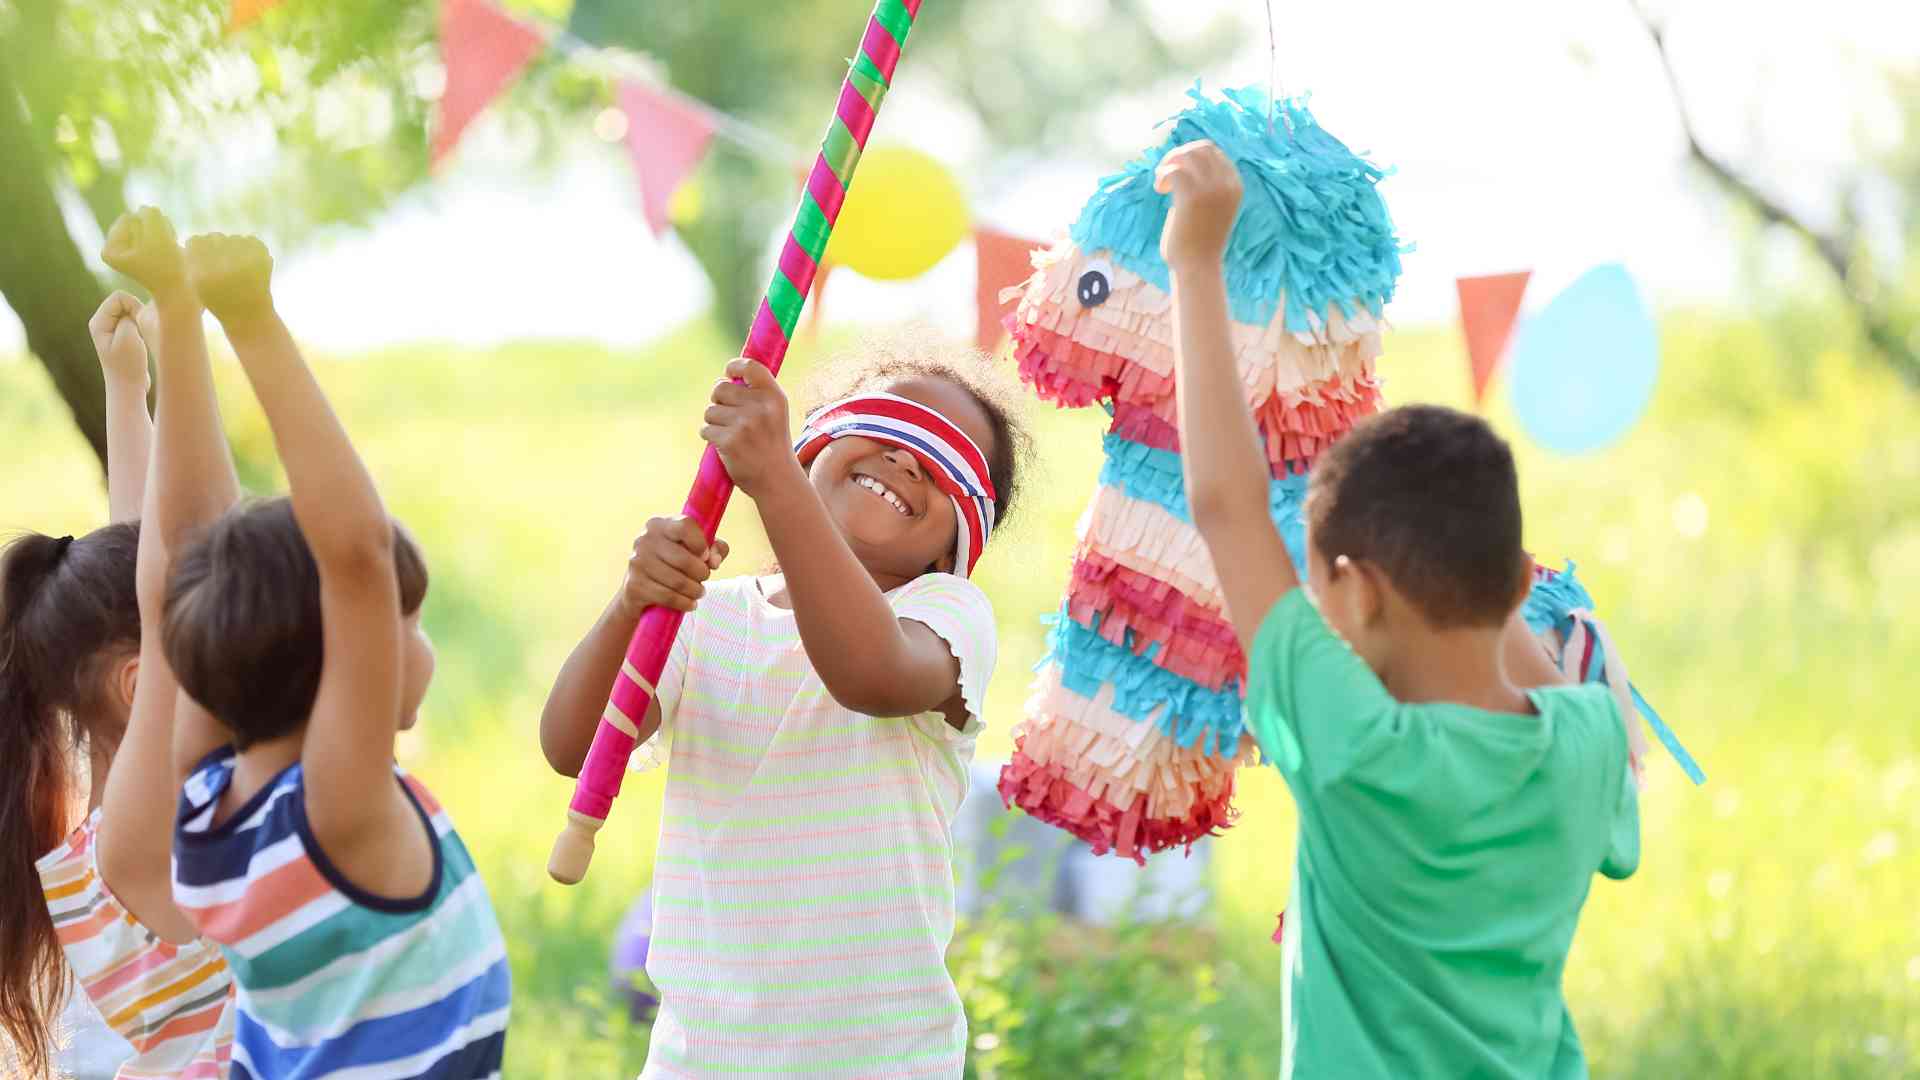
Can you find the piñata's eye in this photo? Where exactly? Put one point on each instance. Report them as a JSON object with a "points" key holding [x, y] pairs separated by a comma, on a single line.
{"points": [[1096, 283]]}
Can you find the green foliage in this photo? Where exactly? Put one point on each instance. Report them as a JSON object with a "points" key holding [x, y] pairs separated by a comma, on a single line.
{"points": [[1769, 933], [317, 117]]}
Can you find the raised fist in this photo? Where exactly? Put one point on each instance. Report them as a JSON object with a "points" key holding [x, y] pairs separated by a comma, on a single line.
{"points": [[232, 275], [118, 330], [142, 246]]}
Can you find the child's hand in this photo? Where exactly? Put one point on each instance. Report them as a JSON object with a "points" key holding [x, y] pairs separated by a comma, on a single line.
{"points": [[118, 330], [748, 425], [1206, 196], [148, 323], [233, 276], [670, 560], [142, 246]]}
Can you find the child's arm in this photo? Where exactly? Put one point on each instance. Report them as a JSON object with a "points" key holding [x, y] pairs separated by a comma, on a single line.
{"points": [[1528, 665], [669, 563], [117, 341], [869, 659], [1226, 473], [356, 809], [192, 482]]}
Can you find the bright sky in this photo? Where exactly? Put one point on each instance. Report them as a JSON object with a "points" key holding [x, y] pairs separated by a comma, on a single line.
{"points": [[1523, 134]]}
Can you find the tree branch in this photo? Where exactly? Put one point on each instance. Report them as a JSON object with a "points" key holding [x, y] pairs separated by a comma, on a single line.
{"points": [[43, 275], [1835, 249]]}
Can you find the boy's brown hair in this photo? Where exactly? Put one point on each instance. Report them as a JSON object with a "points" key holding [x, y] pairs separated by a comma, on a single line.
{"points": [[242, 627], [1429, 495]]}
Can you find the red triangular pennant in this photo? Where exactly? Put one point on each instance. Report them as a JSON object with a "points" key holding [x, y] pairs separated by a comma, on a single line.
{"points": [[1488, 306], [1005, 260], [666, 137], [483, 49]]}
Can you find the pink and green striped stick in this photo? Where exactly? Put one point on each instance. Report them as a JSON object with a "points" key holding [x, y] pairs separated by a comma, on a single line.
{"points": [[618, 734]]}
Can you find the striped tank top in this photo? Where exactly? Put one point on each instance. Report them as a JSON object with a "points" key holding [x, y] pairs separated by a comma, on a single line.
{"points": [[332, 980], [803, 889], [172, 1003]]}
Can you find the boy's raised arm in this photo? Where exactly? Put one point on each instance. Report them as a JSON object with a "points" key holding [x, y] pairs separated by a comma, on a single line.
{"points": [[191, 482], [1226, 474], [348, 752]]}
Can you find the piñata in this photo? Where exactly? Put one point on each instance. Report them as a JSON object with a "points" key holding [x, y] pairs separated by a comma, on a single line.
{"points": [[1134, 730]]}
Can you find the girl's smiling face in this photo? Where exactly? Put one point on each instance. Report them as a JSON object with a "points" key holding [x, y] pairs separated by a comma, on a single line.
{"points": [[897, 521]]}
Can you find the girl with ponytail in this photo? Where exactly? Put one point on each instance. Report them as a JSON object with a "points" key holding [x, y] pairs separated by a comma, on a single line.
{"points": [[70, 645]]}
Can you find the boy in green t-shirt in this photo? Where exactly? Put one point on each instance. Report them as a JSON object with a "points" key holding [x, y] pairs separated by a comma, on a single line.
{"points": [[1451, 818]]}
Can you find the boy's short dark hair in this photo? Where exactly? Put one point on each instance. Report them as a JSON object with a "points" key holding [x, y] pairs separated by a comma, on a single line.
{"points": [[242, 626], [1431, 497]]}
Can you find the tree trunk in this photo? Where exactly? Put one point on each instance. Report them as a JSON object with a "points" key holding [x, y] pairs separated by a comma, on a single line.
{"points": [[43, 275]]}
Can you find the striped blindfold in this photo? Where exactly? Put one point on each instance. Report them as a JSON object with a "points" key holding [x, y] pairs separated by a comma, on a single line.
{"points": [[957, 466]]}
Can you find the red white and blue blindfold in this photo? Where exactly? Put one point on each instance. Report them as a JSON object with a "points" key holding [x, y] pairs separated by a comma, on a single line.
{"points": [[955, 464]]}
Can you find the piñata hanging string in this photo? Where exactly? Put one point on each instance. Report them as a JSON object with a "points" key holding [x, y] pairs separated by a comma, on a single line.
{"points": [[1274, 93]]}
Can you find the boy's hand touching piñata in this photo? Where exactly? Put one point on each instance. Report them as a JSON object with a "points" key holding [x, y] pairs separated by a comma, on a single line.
{"points": [[1205, 187], [670, 560], [232, 275], [747, 424], [118, 330], [142, 246]]}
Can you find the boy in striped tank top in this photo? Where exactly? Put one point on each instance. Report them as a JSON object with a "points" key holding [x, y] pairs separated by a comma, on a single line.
{"points": [[822, 720], [360, 937]]}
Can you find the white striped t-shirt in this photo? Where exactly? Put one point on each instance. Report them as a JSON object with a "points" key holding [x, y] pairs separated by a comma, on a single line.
{"points": [[803, 889]]}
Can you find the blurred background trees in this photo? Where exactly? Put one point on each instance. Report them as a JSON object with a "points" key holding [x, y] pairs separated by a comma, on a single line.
{"points": [[316, 117]]}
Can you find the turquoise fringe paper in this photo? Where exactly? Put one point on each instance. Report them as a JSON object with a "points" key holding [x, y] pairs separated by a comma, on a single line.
{"points": [[1153, 475], [1188, 711], [1549, 605], [1311, 226]]}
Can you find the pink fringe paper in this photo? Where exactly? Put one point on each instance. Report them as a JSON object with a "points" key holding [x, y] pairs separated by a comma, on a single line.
{"points": [[1195, 642], [1043, 792], [1295, 431], [1123, 348], [1116, 783]]}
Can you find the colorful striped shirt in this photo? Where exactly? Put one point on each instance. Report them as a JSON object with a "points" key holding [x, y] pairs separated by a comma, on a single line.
{"points": [[172, 1003], [332, 980], [803, 890]]}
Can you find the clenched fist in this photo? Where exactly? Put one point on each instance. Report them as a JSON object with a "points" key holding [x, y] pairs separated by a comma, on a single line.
{"points": [[118, 330], [232, 275], [142, 246]]}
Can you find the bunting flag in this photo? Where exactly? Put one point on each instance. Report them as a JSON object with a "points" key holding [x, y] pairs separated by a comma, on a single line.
{"points": [[245, 12], [667, 137], [1005, 262], [483, 49], [1488, 306]]}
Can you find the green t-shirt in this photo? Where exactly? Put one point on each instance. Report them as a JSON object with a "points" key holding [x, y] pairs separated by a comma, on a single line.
{"points": [[1444, 854]]}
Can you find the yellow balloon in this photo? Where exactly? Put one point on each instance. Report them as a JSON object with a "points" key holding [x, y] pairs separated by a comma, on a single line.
{"points": [[687, 202], [904, 214]]}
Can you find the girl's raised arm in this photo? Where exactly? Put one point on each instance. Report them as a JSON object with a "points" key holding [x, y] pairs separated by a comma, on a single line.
{"points": [[118, 342]]}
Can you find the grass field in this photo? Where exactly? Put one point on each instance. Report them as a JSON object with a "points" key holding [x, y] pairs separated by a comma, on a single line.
{"points": [[1755, 547]]}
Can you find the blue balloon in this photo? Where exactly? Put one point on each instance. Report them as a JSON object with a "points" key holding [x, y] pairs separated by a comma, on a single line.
{"points": [[1584, 367]]}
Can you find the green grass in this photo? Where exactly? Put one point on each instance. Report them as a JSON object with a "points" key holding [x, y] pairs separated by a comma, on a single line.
{"points": [[1774, 927]]}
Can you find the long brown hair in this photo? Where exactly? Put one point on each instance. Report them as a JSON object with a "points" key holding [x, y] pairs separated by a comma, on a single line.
{"points": [[68, 608]]}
